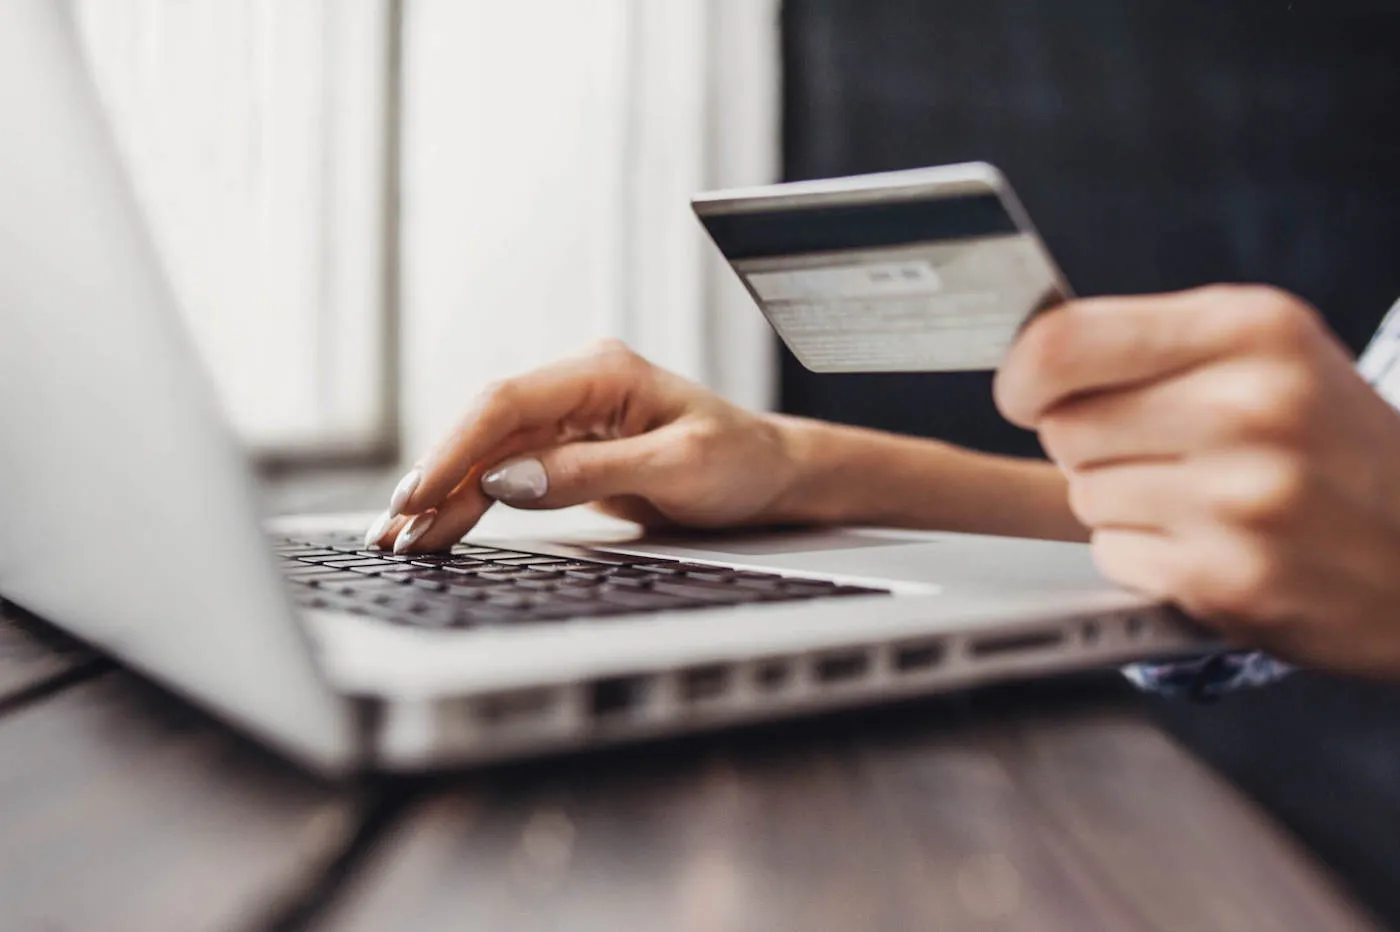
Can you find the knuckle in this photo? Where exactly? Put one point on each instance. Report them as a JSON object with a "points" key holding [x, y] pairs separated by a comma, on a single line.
{"points": [[1082, 500], [565, 472], [1264, 492], [1276, 402], [611, 348], [498, 394], [1236, 587], [1040, 357], [695, 445], [1056, 433], [1050, 343], [1130, 566], [618, 359], [1266, 317]]}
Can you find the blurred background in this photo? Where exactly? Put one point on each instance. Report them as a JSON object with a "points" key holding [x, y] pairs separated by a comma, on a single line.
{"points": [[369, 208]]}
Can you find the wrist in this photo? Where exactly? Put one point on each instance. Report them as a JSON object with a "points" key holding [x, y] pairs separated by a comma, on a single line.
{"points": [[808, 495], [851, 475]]}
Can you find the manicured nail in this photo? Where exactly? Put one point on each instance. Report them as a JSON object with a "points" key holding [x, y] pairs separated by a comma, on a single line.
{"points": [[404, 491], [377, 529], [414, 529], [522, 480]]}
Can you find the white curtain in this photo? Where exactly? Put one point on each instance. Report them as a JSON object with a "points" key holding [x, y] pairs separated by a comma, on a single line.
{"points": [[547, 150], [550, 148], [256, 133]]}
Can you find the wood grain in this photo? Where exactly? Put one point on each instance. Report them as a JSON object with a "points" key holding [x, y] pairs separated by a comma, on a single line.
{"points": [[943, 816], [1167, 836], [124, 809]]}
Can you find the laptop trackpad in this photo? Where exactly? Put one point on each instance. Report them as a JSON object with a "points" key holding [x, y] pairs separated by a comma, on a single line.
{"points": [[952, 561]]}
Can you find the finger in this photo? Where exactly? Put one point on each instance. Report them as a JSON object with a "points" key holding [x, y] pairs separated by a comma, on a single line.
{"points": [[1144, 496], [1142, 560], [1102, 343], [444, 525], [575, 473], [441, 527], [385, 529], [1252, 490], [613, 386], [1233, 581], [1203, 409]]}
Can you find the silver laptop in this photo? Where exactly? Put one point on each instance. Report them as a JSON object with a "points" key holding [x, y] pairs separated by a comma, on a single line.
{"points": [[129, 520]]}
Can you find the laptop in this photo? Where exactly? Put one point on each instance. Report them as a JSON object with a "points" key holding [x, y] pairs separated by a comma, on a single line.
{"points": [[130, 521]]}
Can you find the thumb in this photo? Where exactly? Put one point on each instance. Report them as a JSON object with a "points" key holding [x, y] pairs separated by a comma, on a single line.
{"points": [[576, 473]]}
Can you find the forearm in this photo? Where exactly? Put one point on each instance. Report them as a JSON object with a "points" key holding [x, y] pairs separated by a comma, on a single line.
{"points": [[850, 475]]}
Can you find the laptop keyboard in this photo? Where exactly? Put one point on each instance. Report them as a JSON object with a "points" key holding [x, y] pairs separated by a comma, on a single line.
{"points": [[476, 585]]}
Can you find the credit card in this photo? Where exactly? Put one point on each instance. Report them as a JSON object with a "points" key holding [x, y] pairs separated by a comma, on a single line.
{"points": [[932, 270]]}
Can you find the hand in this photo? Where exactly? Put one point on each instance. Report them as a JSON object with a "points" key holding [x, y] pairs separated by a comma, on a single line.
{"points": [[607, 427], [1226, 456]]}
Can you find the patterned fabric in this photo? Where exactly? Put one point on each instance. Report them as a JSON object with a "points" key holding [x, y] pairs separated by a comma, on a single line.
{"points": [[1216, 674]]}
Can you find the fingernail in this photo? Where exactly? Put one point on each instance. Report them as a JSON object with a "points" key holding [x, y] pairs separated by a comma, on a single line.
{"points": [[404, 491], [522, 480], [413, 530], [377, 529]]}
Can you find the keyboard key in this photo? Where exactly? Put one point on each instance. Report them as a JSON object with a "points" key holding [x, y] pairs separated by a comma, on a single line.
{"points": [[705, 592], [677, 569], [640, 581], [474, 584], [500, 575], [711, 575], [309, 570], [626, 572], [536, 585], [479, 585], [373, 570], [352, 562], [569, 566], [473, 550], [528, 561], [441, 615], [641, 601], [808, 588], [590, 574], [512, 599]]}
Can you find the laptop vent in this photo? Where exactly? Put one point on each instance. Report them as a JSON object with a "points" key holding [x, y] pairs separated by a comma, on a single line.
{"points": [[916, 657], [617, 697], [770, 676], [702, 684], [1022, 642], [507, 709], [843, 667]]}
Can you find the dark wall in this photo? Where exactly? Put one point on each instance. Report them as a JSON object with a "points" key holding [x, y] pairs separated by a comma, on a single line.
{"points": [[1158, 144]]}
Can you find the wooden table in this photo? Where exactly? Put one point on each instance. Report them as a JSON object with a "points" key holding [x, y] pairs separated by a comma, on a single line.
{"points": [[1054, 806]]}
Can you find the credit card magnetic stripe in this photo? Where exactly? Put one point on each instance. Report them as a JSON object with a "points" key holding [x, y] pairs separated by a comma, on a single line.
{"points": [[787, 231]]}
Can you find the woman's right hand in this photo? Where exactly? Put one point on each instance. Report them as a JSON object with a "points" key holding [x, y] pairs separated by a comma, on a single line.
{"points": [[606, 427]]}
